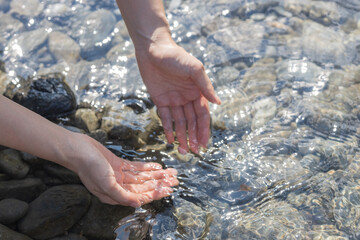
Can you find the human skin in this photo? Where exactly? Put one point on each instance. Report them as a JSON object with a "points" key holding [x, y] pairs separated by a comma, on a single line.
{"points": [[112, 179], [175, 80]]}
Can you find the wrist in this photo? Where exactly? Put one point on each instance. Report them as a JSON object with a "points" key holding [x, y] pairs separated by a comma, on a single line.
{"points": [[144, 41]]}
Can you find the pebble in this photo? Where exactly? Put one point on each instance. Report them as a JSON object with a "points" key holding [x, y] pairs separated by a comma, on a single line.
{"points": [[29, 8], [25, 189], [12, 164], [9, 234], [11, 210], [63, 47], [86, 119]]}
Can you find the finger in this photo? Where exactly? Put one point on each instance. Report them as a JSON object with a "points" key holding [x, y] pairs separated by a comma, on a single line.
{"points": [[150, 196], [121, 196], [107, 200], [180, 128], [191, 127], [140, 166], [131, 177], [201, 107], [199, 76], [166, 119], [151, 185]]}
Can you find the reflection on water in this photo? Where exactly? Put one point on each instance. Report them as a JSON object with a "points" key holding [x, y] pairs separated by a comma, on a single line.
{"points": [[284, 158]]}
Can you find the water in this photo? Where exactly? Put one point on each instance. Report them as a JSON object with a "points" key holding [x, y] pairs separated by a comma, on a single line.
{"points": [[283, 162]]}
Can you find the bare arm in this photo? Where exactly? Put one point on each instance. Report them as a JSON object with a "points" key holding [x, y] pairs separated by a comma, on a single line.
{"points": [[113, 180], [176, 81]]}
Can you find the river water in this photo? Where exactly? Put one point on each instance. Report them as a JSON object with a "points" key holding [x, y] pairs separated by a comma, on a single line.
{"points": [[283, 161]]}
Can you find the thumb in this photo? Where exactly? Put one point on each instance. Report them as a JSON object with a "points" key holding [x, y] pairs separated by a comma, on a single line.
{"points": [[201, 79]]}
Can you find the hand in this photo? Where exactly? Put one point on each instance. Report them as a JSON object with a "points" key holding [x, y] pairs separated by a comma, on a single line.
{"points": [[117, 181], [180, 88]]}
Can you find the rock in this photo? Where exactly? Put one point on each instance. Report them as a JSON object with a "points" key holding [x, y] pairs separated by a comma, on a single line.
{"points": [[121, 52], [4, 177], [9, 25], [30, 8], [226, 75], [26, 189], [70, 236], [63, 47], [95, 39], [12, 164], [86, 119], [3, 82], [27, 42], [8, 234], [265, 110], [47, 95], [4, 5], [55, 211], [325, 45], [56, 10], [62, 173], [122, 123], [101, 220], [99, 135], [11, 210], [241, 41]]}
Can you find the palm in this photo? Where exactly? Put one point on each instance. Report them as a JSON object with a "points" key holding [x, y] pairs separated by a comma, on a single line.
{"points": [[180, 88], [117, 181]]}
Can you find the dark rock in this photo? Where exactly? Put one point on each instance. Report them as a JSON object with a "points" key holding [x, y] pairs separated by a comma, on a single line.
{"points": [[55, 211], [99, 135], [26, 189], [62, 173], [47, 95], [8, 234], [70, 236], [12, 164], [4, 177], [11, 210], [101, 220]]}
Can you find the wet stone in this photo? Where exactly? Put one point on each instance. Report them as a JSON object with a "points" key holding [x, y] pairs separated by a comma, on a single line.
{"points": [[27, 42], [55, 211], [99, 135], [86, 119], [101, 220], [29, 8], [63, 47], [96, 36], [26, 189], [12, 164], [9, 25], [70, 236], [11, 210], [61, 173], [47, 95], [9, 234], [191, 220]]}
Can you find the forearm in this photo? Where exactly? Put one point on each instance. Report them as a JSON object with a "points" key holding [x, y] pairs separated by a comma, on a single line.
{"points": [[146, 22], [27, 131]]}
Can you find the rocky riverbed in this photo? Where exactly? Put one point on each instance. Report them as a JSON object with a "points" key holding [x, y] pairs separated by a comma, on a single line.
{"points": [[283, 161]]}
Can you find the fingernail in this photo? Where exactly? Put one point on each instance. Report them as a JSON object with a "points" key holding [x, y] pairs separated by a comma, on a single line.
{"points": [[182, 151], [218, 101]]}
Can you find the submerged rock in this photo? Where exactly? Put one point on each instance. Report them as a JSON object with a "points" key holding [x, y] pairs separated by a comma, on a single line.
{"points": [[95, 39], [27, 42], [86, 119], [55, 211], [47, 95], [63, 47], [30, 8]]}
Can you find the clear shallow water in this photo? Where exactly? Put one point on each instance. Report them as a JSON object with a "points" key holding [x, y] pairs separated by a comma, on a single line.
{"points": [[283, 162]]}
